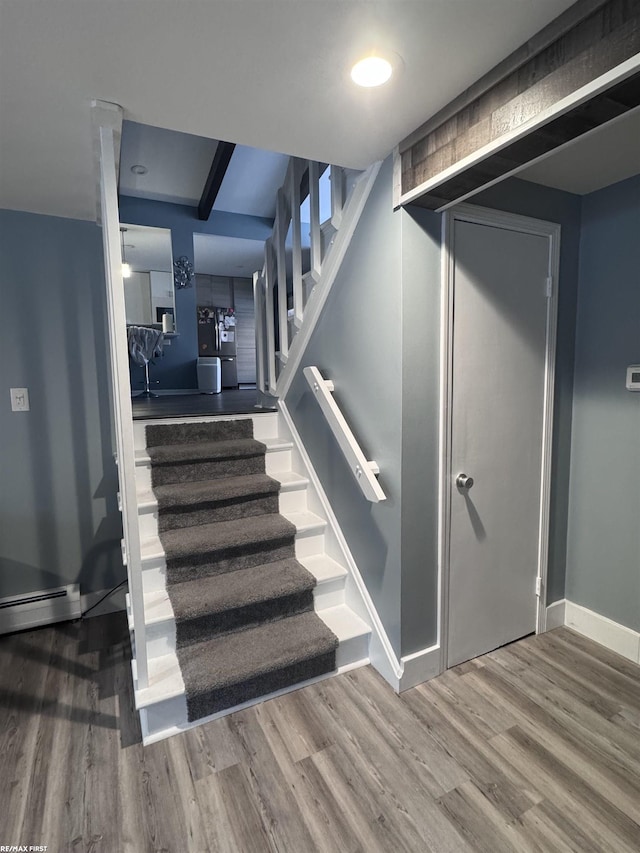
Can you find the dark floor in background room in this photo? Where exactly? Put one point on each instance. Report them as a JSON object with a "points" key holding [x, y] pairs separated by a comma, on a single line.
{"points": [[228, 402], [534, 747]]}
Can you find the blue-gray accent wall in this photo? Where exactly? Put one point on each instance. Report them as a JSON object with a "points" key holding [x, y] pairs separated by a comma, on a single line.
{"points": [[177, 367], [59, 520], [603, 549], [358, 344], [378, 340], [421, 286]]}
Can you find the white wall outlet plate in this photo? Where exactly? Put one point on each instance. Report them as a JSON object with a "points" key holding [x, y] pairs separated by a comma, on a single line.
{"points": [[633, 377], [19, 400]]}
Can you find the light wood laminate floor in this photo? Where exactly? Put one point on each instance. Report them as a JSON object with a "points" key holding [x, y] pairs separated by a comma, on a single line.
{"points": [[534, 747]]}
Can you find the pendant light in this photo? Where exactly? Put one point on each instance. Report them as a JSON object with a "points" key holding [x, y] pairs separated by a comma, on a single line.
{"points": [[126, 268]]}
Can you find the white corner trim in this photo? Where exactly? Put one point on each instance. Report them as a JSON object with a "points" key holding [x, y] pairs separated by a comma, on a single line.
{"points": [[329, 272], [381, 653], [618, 638], [419, 667], [556, 614], [104, 114]]}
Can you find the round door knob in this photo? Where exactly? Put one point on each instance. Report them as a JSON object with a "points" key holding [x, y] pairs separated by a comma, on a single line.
{"points": [[464, 482]]}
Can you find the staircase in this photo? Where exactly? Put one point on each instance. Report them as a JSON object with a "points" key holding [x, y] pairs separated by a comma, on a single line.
{"points": [[241, 600]]}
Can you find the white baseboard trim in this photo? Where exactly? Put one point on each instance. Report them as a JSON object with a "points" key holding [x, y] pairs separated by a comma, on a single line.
{"points": [[613, 636], [40, 607], [419, 667], [555, 614]]}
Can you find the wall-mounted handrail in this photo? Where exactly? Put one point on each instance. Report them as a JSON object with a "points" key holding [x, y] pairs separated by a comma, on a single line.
{"points": [[362, 469]]}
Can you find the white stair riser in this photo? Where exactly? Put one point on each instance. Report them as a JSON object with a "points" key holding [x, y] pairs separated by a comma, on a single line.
{"points": [[143, 478], [277, 460], [161, 638], [154, 575], [329, 595], [163, 715], [148, 523], [309, 546], [352, 650], [294, 500]]}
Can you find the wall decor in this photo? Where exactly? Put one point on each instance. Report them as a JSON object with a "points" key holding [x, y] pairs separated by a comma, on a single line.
{"points": [[182, 272]]}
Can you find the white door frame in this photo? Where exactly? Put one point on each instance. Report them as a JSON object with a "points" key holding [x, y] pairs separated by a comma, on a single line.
{"points": [[512, 222]]}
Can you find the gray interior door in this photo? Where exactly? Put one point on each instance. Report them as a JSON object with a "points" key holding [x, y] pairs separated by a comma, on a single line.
{"points": [[499, 344]]}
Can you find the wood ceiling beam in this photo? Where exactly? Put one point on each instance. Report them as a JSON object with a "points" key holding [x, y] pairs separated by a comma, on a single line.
{"points": [[218, 170], [549, 92]]}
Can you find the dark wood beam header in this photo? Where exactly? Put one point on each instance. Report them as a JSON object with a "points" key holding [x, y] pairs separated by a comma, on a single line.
{"points": [[218, 170], [535, 108]]}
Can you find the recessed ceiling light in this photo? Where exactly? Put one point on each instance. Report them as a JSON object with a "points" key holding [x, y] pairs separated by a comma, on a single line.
{"points": [[371, 71], [139, 169]]}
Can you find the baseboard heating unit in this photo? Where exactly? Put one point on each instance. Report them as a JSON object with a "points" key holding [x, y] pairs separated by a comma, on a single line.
{"points": [[18, 612]]}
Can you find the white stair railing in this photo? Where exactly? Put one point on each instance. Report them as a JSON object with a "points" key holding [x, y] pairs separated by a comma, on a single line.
{"points": [[362, 469], [106, 119], [295, 256]]}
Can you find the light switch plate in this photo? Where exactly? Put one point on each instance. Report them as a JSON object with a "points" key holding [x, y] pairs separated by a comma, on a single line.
{"points": [[19, 399]]}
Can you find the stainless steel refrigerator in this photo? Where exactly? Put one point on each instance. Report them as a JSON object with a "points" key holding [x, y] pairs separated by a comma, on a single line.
{"points": [[217, 338]]}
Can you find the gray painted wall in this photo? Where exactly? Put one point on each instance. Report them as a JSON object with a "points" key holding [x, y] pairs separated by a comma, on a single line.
{"points": [[603, 554], [378, 340], [421, 236], [540, 202], [59, 522], [358, 344]]}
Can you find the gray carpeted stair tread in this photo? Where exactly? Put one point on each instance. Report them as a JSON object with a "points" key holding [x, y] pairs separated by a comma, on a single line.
{"points": [[223, 535], [243, 605], [225, 546], [212, 491], [176, 433], [202, 451], [241, 589], [234, 668]]}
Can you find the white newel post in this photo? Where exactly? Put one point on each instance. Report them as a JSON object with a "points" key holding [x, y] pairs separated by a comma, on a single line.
{"points": [[119, 359]]}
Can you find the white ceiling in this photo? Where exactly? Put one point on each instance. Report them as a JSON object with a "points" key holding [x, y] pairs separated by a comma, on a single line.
{"points": [[593, 161], [271, 74], [252, 181], [178, 163]]}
